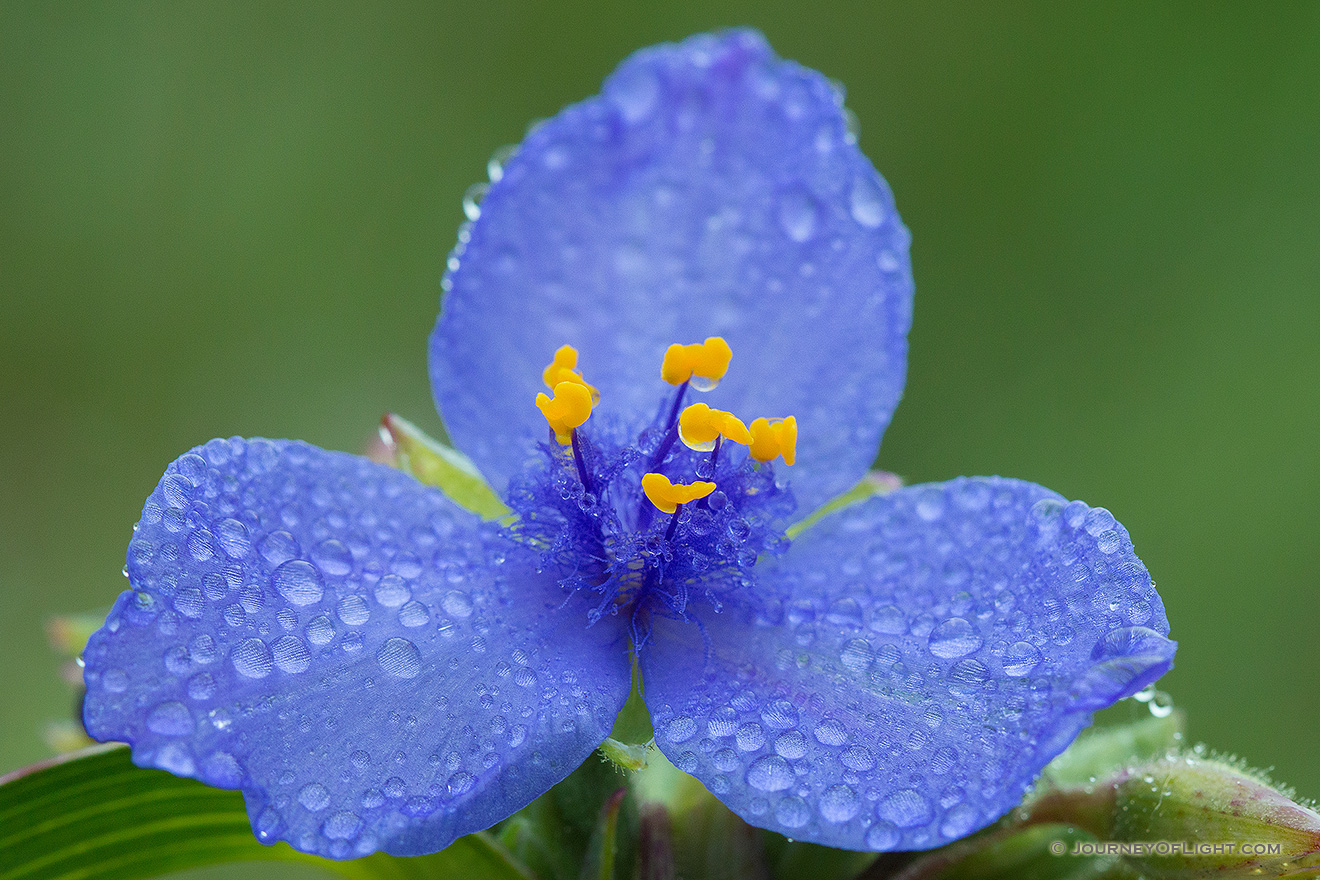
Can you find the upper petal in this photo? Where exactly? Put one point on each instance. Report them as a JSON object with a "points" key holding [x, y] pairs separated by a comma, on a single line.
{"points": [[906, 669], [711, 189], [373, 666]]}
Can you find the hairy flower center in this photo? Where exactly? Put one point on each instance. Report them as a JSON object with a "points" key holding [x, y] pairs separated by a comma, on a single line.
{"points": [[652, 522]]}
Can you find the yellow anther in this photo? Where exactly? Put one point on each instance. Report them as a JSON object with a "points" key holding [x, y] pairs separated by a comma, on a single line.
{"points": [[568, 409], [701, 363], [564, 369], [774, 437], [667, 496], [699, 426]]}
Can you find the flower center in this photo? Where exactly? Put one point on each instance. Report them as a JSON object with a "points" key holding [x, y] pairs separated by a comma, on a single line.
{"points": [[654, 521]]}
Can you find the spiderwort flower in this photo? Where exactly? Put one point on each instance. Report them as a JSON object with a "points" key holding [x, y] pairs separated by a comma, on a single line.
{"points": [[377, 668]]}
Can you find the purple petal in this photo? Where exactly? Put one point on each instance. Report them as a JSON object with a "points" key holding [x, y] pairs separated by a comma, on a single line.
{"points": [[905, 670], [711, 189], [374, 667]]}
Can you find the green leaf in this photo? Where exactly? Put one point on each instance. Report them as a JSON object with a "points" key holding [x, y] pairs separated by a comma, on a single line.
{"points": [[444, 467], [93, 815]]}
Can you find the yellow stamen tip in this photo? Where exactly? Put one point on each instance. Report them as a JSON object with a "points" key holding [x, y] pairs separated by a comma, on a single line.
{"points": [[564, 369], [699, 426], [701, 363], [772, 438], [568, 409], [668, 496]]}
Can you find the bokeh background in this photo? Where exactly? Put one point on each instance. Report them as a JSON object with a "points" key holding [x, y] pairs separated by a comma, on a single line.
{"points": [[232, 218]]}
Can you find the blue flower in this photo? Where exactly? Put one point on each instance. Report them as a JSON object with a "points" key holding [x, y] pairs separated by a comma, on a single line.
{"points": [[378, 668]]}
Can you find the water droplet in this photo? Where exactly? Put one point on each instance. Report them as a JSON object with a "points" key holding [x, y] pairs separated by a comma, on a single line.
{"points": [[333, 558], [882, 837], [353, 610], [201, 686], [524, 677], [498, 159], [857, 655], [342, 826], [414, 614], [722, 722], [954, 637], [791, 745], [400, 658], [839, 803], [314, 796], [792, 812], [770, 773], [278, 548], [170, 719], [906, 809], [866, 201], [267, 824], [888, 619], [1020, 658], [252, 658], [392, 591], [1160, 704], [857, 758], [725, 760], [299, 582], [798, 213], [372, 798], [831, 733], [456, 604], [968, 675], [959, 822], [780, 715], [634, 92], [460, 783], [680, 729], [750, 737], [291, 655], [320, 631], [472, 199]]}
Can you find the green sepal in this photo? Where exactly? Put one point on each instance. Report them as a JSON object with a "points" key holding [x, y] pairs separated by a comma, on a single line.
{"points": [[93, 815], [874, 483], [1102, 749], [555, 834], [444, 467]]}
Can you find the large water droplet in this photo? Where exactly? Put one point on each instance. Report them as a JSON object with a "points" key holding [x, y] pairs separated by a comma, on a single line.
{"points": [[791, 745], [680, 729], [1020, 658], [333, 558], [353, 610], [170, 719], [750, 737], [400, 658], [770, 773], [299, 582], [456, 604], [857, 758], [414, 614], [722, 722], [252, 658], [342, 826], [291, 655], [392, 591], [857, 655], [831, 733], [954, 637], [798, 213], [792, 812], [314, 796], [882, 836], [320, 630], [634, 92], [906, 809], [278, 547], [839, 803], [866, 201], [780, 715]]}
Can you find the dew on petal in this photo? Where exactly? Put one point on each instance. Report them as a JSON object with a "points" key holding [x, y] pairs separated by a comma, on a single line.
{"points": [[252, 658], [770, 773], [299, 582], [400, 658]]}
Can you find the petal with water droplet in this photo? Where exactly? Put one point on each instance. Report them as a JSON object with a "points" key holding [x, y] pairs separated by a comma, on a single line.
{"points": [[326, 702], [943, 721]]}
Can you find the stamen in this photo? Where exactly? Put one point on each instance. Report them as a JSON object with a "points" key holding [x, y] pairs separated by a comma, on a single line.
{"points": [[774, 437], [701, 363], [564, 369], [700, 426], [668, 496], [568, 409]]}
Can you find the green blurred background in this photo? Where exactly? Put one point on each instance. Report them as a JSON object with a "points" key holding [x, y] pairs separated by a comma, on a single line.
{"points": [[224, 219]]}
